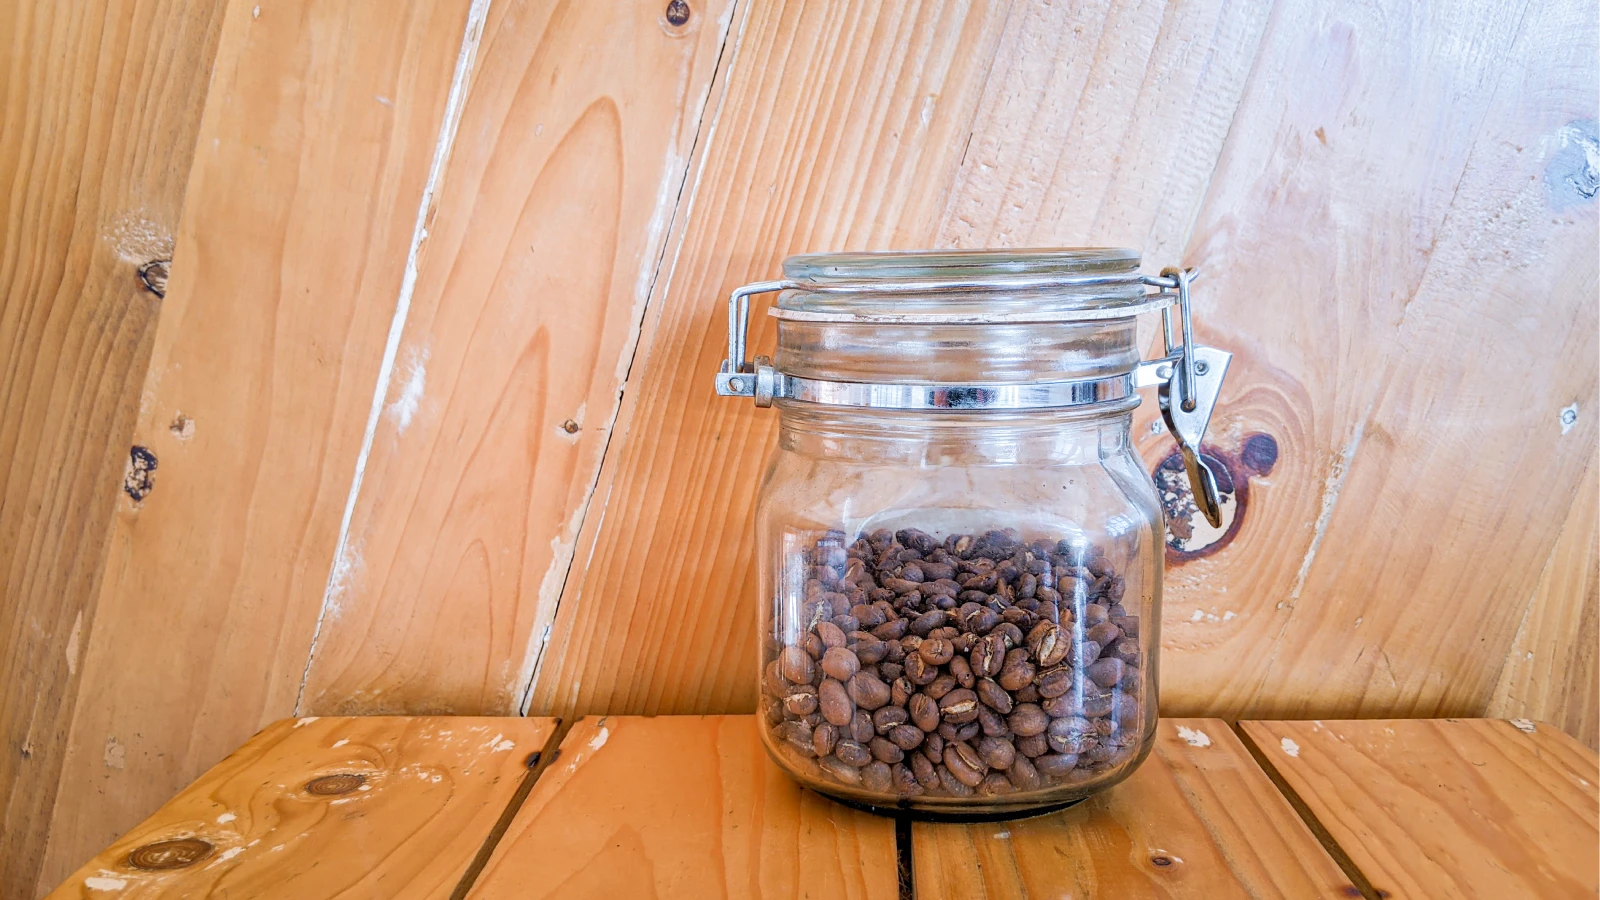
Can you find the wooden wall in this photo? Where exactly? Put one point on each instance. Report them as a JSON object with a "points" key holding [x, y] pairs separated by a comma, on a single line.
{"points": [[428, 400]]}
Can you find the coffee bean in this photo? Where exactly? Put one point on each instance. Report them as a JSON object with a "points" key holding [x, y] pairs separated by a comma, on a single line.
{"points": [[940, 686], [1028, 719], [840, 663], [952, 785], [823, 738], [830, 634], [840, 770], [835, 702], [1068, 735], [1027, 694], [906, 737], [964, 764], [924, 712], [962, 672], [888, 717], [1017, 671], [988, 656], [1105, 672], [905, 781], [959, 706], [802, 702], [861, 729], [991, 722], [1033, 745], [1105, 634], [997, 753], [1055, 765], [994, 696], [885, 750], [928, 621], [852, 753], [936, 651], [875, 776], [871, 650], [924, 772], [868, 691], [1023, 774], [1054, 683], [773, 682]]}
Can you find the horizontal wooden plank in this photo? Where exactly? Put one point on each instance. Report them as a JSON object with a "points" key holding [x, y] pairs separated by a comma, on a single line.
{"points": [[1198, 819], [328, 807], [685, 806], [1448, 808]]}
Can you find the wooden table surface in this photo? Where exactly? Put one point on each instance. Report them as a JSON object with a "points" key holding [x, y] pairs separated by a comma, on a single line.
{"points": [[689, 806]]}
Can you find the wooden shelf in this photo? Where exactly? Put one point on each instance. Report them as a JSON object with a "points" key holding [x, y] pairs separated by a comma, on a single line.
{"points": [[689, 806], [1447, 807], [328, 807]]}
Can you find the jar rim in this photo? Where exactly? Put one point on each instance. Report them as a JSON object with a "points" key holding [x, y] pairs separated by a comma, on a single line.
{"points": [[975, 265]]}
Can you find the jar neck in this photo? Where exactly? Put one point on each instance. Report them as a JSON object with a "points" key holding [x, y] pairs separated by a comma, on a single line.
{"points": [[1035, 437]]}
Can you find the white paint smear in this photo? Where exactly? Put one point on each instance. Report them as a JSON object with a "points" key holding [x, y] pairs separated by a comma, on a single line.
{"points": [[306, 721], [341, 742], [96, 883], [1289, 747], [225, 818], [1194, 737], [1525, 726], [412, 384]]}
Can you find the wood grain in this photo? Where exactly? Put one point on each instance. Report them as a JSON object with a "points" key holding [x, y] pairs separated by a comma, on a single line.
{"points": [[1395, 251], [1451, 808], [99, 106], [1550, 673], [316, 141], [684, 806], [332, 807], [1197, 819], [573, 149], [839, 127]]}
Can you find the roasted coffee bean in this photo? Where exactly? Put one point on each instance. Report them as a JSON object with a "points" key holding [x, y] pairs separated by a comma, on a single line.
{"points": [[1027, 694], [823, 738], [1017, 671], [1023, 774], [997, 753], [948, 632], [1069, 735], [917, 670], [888, 717], [830, 634], [928, 621], [952, 785], [900, 691], [835, 702], [884, 750], [861, 729], [840, 663], [906, 737], [988, 656], [802, 702], [937, 571], [798, 735], [1010, 633], [1105, 634], [846, 624], [993, 695], [868, 691], [964, 763], [1028, 719], [940, 686], [1046, 644], [812, 645], [959, 706], [905, 781], [936, 651], [773, 682], [1094, 614], [1129, 715], [889, 671], [924, 712], [1082, 654], [852, 753], [772, 710], [1033, 745], [1055, 765], [875, 776], [923, 769], [1105, 672], [991, 722], [892, 630], [840, 770], [962, 672], [871, 650], [1054, 683], [1128, 624]]}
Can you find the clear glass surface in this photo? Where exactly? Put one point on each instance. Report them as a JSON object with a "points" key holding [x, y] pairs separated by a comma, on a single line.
{"points": [[959, 611]]}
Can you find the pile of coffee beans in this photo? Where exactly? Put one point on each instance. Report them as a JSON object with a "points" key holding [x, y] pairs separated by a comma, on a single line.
{"points": [[978, 665]]}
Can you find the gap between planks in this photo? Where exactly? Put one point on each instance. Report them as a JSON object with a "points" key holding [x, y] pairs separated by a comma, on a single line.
{"points": [[1301, 808], [460, 81], [538, 763]]}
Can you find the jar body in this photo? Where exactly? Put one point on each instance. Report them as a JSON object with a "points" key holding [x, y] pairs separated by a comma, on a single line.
{"points": [[959, 611]]}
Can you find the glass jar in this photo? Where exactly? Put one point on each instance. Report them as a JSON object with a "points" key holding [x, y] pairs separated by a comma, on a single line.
{"points": [[960, 551]]}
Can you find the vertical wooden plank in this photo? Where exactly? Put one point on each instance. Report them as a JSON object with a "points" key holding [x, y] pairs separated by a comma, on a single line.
{"points": [[683, 806], [318, 808], [574, 146], [1447, 808], [1399, 246], [316, 142], [99, 106], [1550, 673], [840, 124]]}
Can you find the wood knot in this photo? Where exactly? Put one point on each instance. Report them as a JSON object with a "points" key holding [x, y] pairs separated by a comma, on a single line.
{"points": [[139, 480], [330, 785], [154, 275], [173, 854]]}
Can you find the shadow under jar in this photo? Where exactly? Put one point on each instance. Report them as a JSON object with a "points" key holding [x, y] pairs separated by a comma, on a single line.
{"points": [[960, 552]]}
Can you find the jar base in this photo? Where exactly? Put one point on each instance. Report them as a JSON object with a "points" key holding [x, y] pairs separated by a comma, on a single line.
{"points": [[972, 818]]}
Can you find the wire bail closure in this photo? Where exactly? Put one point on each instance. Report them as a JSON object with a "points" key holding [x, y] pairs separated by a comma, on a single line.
{"points": [[1189, 377]]}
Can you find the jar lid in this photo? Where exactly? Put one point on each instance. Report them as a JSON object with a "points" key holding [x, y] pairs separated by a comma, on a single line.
{"points": [[965, 286]]}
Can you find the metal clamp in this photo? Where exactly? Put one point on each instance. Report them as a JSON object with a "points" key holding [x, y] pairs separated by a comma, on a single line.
{"points": [[1189, 377]]}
